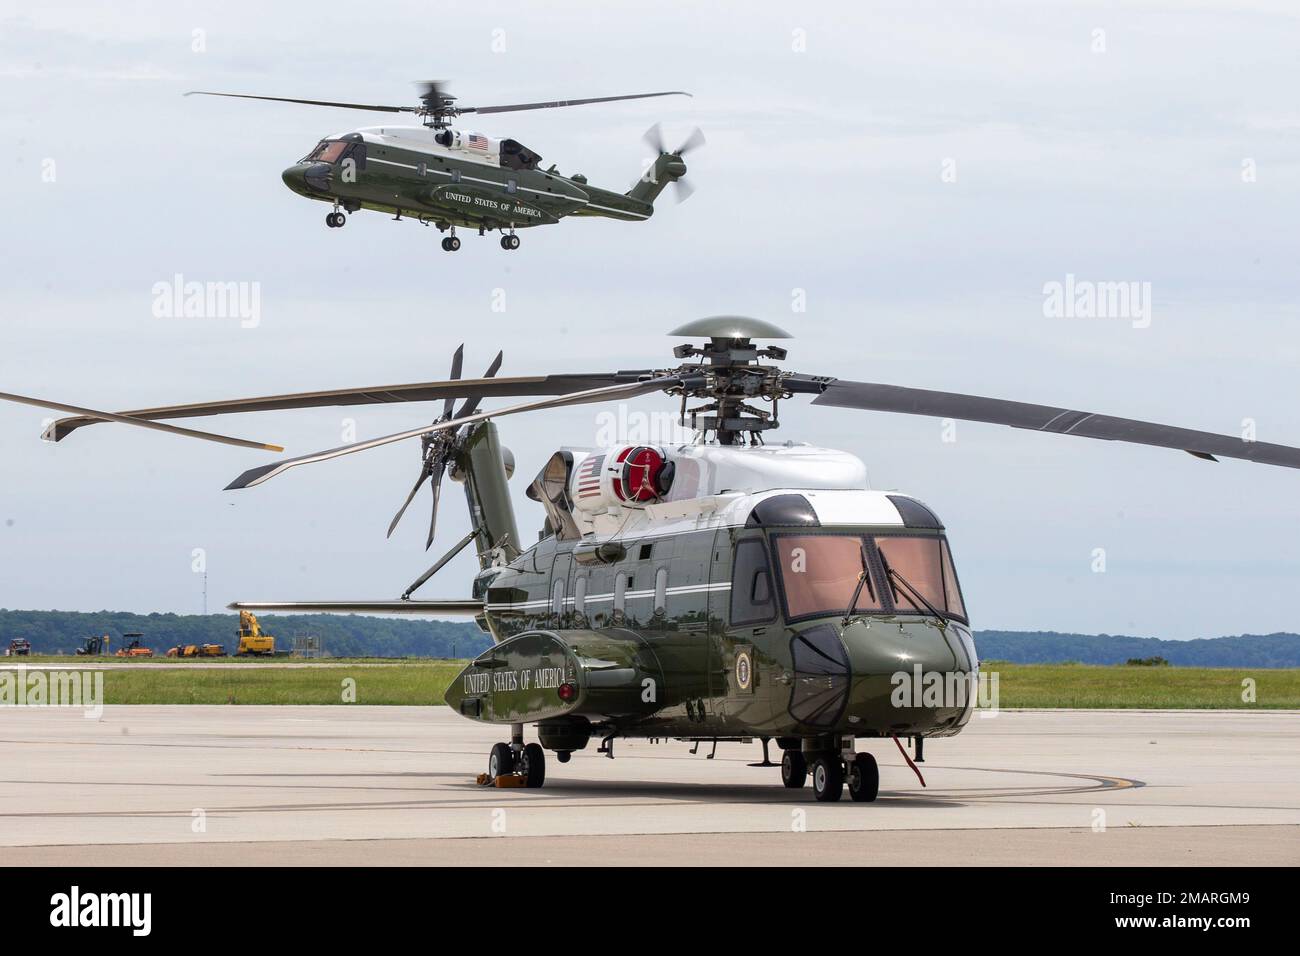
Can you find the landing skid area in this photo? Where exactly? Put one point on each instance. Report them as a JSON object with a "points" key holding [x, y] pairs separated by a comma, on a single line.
{"points": [[337, 219]]}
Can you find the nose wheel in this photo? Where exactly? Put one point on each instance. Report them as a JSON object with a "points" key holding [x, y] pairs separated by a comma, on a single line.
{"points": [[528, 762], [510, 241], [864, 778], [828, 778], [336, 220], [451, 243]]}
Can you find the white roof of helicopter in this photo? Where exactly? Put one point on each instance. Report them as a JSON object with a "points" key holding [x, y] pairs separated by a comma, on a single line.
{"points": [[420, 139], [717, 486]]}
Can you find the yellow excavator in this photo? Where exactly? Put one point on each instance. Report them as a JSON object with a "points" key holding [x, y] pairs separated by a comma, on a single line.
{"points": [[253, 641]]}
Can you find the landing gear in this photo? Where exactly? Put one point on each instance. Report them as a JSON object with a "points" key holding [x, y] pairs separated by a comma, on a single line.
{"points": [[510, 241], [501, 761], [532, 764], [336, 220], [794, 769], [828, 777], [450, 243], [864, 778]]}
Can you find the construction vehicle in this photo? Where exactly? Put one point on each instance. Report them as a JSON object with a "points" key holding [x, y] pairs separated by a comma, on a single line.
{"points": [[19, 647], [253, 641], [197, 650], [133, 648], [93, 647]]}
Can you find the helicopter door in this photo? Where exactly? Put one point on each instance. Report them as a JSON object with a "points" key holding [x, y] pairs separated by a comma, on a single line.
{"points": [[560, 613]]}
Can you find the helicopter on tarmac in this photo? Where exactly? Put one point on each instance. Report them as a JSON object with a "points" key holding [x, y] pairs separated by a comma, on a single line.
{"points": [[722, 589], [447, 177]]}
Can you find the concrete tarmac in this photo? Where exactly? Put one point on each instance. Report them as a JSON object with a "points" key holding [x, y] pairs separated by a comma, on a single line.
{"points": [[220, 785]]}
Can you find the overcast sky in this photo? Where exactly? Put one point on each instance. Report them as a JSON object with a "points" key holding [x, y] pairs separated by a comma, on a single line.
{"points": [[917, 173]]}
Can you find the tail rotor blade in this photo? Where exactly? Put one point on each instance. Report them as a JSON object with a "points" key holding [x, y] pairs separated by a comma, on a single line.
{"points": [[682, 190], [654, 138], [694, 141]]}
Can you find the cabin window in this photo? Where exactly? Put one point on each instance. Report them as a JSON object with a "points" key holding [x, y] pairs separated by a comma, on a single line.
{"points": [[557, 598], [751, 584], [580, 594], [512, 187], [661, 590], [455, 175], [620, 592]]}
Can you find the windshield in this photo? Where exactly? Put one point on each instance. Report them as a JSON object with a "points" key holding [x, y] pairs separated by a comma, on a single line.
{"points": [[328, 151], [819, 573]]}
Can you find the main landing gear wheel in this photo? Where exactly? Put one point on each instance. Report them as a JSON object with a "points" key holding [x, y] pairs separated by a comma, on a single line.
{"points": [[510, 242], [336, 220], [828, 778], [501, 761], [532, 764], [794, 769], [864, 778], [450, 244]]}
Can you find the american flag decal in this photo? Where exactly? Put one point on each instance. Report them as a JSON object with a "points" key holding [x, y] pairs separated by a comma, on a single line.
{"points": [[589, 476], [475, 141]]}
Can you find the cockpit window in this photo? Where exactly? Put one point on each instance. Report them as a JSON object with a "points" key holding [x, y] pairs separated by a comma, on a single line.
{"points": [[329, 151], [751, 584], [819, 573]]}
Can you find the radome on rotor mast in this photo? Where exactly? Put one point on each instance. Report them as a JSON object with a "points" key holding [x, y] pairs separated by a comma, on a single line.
{"points": [[438, 175], [723, 589]]}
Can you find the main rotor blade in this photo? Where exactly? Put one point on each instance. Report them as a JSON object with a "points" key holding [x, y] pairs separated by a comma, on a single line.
{"points": [[375, 395], [424, 476], [515, 107], [288, 99], [255, 476], [457, 361], [437, 493], [471, 406], [1046, 418], [95, 415]]}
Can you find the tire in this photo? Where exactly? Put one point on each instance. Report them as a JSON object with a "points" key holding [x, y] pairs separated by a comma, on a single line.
{"points": [[533, 765], [828, 778], [446, 247], [864, 779], [501, 761], [505, 242], [453, 243], [794, 769], [514, 242]]}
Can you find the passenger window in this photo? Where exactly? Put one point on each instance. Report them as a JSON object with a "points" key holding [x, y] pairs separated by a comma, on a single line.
{"points": [[557, 598], [620, 592], [661, 590], [512, 186], [580, 595], [751, 584]]}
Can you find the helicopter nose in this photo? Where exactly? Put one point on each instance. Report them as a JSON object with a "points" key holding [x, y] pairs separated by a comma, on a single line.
{"points": [[909, 678], [293, 178]]}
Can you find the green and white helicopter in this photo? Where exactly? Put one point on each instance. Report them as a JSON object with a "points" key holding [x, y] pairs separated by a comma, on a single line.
{"points": [[446, 177], [719, 589]]}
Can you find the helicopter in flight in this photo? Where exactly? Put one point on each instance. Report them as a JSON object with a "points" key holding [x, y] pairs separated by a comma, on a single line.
{"points": [[447, 177], [721, 589]]}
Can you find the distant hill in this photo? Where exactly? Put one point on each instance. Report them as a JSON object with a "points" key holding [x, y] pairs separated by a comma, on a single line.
{"points": [[61, 632], [1047, 647], [55, 632]]}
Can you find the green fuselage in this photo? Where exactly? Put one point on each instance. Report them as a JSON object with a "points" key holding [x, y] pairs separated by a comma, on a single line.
{"points": [[653, 645], [450, 188]]}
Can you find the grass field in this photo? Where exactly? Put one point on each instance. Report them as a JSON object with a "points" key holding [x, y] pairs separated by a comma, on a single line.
{"points": [[422, 682]]}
